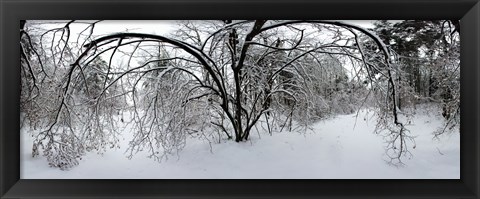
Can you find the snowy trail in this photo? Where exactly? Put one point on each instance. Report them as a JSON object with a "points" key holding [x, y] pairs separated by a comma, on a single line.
{"points": [[335, 150]]}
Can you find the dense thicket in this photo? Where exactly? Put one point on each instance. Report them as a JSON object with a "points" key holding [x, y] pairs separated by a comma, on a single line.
{"points": [[428, 54]]}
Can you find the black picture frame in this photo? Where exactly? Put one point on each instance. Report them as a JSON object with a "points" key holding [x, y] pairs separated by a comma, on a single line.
{"points": [[12, 11]]}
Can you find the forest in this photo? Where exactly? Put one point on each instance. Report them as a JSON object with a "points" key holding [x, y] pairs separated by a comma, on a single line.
{"points": [[229, 80]]}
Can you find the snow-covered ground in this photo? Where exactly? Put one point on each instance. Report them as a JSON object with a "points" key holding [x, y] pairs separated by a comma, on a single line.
{"points": [[335, 150]]}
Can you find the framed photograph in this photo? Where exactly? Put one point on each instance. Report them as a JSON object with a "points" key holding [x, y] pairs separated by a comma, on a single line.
{"points": [[239, 99]]}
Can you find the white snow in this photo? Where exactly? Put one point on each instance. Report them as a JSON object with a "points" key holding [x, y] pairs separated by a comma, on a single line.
{"points": [[335, 150]]}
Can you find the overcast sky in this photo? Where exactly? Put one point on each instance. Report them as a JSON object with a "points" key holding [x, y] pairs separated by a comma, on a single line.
{"points": [[155, 26], [164, 26]]}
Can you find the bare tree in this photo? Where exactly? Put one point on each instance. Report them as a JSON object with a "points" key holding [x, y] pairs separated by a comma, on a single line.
{"points": [[215, 79]]}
